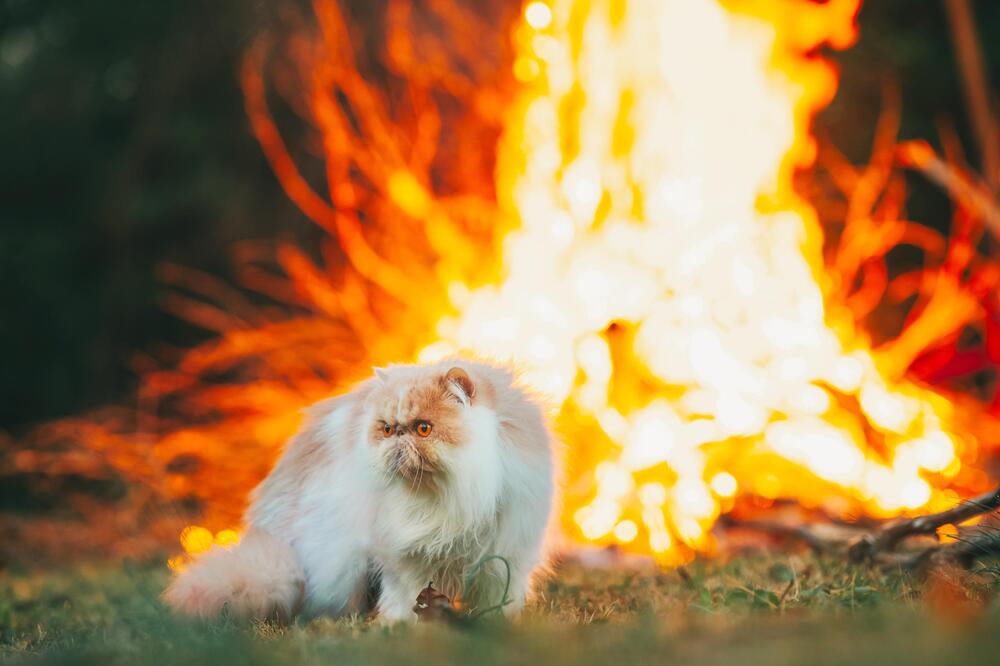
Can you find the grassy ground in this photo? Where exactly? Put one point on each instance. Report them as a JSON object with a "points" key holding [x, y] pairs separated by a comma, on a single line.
{"points": [[755, 610]]}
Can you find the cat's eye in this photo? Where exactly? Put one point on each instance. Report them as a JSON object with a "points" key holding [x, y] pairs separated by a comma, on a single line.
{"points": [[387, 430], [424, 428]]}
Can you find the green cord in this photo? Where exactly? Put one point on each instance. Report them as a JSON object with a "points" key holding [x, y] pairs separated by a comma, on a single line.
{"points": [[506, 586]]}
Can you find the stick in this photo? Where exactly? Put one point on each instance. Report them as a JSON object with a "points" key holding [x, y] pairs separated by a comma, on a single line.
{"points": [[965, 192], [963, 552], [975, 85], [801, 533], [885, 538]]}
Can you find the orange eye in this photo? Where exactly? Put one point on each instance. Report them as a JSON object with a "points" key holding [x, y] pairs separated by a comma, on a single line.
{"points": [[424, 428], [387, 430]]}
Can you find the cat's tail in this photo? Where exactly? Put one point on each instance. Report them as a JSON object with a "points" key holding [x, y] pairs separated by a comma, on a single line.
{"points": [[260, 577]]}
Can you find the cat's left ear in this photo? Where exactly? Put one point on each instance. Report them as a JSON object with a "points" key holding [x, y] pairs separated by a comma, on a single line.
{"points": [[460, 383], [381, 373]]}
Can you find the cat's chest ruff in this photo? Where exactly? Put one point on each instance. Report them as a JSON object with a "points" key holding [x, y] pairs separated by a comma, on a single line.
{"points": [[426, 530]]}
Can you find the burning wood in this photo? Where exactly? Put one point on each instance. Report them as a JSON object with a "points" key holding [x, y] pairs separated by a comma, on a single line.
{"points": [[886, 537], [878, 545]]}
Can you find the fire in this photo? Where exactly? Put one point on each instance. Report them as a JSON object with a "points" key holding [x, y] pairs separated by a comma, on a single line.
{"points": [[196, 539], [637, 247], [665, 285]]}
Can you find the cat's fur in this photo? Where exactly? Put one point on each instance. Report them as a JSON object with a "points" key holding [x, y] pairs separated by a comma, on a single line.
{"points": [[346, 503]]}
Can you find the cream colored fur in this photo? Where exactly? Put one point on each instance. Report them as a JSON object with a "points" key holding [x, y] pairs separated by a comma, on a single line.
{"points": [[261, 577], [338, 508]]}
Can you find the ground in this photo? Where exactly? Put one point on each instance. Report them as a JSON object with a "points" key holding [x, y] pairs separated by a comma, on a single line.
{"points": [[759, 609]]}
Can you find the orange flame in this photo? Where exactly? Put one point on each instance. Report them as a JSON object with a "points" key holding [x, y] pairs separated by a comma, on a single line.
{"points": [[665, 284], [637, 247]]}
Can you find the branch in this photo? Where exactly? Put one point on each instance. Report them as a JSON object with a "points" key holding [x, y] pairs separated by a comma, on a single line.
{"points": [[975, 86], [963, 552], [885, 538], [816, 542], [877, 546], [966, 192]]}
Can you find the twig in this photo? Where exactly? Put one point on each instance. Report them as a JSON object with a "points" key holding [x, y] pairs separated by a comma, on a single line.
{"points": [[816, 543], [965, 191], [963, 552], [885, 539], [877, 546], [788, 588], [975, 85]]}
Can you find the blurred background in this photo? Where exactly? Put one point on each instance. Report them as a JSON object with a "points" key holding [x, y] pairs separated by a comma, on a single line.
{"points": [[126, 147]]}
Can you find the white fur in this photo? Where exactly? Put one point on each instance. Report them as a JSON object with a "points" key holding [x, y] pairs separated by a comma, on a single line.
{"points": [[347, 519]]}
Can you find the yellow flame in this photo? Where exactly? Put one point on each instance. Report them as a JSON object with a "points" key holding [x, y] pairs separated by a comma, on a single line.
{"points": [[666, 285], [196, 540]]}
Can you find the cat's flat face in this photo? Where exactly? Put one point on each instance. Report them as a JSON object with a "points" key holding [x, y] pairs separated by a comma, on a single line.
{"points": [[416, 421]]}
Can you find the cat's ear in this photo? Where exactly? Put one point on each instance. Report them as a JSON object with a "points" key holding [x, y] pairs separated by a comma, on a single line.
{"points": [[381, 373], [460, 383]]}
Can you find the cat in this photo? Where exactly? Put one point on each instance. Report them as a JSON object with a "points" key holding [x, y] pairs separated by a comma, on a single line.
{"points": [[420, 474]]}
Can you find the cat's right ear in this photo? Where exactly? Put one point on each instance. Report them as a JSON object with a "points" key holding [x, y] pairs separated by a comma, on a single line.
{"points": [[381, 373], [460, 384]]}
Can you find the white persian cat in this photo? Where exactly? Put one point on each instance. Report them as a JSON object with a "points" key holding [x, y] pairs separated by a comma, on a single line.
{"points": [[416, 476]]}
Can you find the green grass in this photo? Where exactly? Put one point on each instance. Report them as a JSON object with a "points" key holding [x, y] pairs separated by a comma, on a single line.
{"points": [[755, 610]]}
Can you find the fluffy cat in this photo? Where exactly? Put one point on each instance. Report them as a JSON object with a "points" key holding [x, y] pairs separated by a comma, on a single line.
{"points": [[416, 476]]}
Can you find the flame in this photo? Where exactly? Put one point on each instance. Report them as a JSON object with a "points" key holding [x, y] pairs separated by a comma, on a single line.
{"points": [[666, 286], [196, 540], [639, 251]]}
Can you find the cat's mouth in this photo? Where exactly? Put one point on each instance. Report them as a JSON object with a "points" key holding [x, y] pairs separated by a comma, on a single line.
{"points": [[413, 465]]}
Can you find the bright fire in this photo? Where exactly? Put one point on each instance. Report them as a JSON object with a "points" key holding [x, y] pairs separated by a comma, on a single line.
{"points": [[641, 254], [666, 285]]}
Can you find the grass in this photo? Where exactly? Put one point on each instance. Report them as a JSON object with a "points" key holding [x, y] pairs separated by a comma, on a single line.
{"points": [[751, 610]]}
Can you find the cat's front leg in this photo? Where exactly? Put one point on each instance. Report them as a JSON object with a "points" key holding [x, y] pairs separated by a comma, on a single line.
{"points": [[337, 569], [520, 586], [398, 595]]}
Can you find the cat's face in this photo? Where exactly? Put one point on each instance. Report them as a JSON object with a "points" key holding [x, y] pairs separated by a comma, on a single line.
{"points": [[418, 423]]}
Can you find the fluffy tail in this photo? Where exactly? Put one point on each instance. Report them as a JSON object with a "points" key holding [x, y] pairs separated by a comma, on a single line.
{"points": [[258, 578]]}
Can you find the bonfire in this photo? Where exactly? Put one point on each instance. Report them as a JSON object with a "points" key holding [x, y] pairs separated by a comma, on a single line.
{"points": [[627, 200]]}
